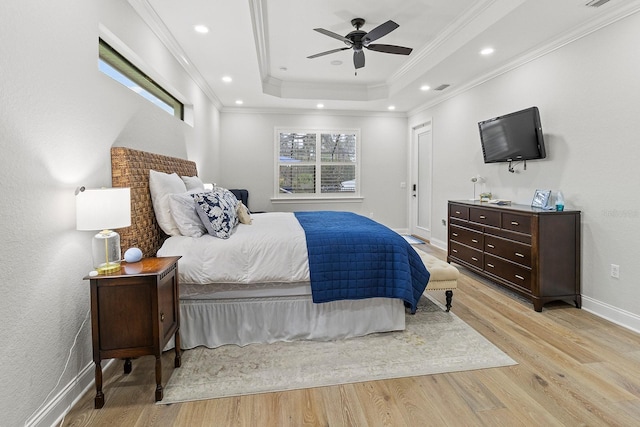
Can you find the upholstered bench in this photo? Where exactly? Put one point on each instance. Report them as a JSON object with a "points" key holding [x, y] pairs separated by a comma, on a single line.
{"points": [[444, 276]]}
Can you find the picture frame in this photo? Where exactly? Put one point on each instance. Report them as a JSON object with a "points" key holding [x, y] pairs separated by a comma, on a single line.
{"points": [[541, 199]]}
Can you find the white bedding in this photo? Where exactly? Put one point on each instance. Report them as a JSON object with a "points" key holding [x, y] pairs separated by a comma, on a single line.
{"points": [[273, 249]]}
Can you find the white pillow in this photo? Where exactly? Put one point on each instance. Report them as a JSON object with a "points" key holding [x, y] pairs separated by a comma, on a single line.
{"points": [[193, 183], [243, 214], [184, 214], [161, 185]]}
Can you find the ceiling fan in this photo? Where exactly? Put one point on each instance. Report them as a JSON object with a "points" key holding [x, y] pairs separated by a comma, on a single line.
{"points": [[359, 39]]}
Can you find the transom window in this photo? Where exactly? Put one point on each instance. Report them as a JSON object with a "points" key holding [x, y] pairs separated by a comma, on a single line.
{"points": [[317, 163], [116, 66]]}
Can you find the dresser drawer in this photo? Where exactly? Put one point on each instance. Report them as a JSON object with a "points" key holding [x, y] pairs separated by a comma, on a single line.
{"points": [[466, 254], [459, 211], [513, 251], [466, 237], [513, 273], [515, 222], [485, 216]]}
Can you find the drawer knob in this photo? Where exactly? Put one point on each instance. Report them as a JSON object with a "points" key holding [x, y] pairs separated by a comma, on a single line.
{"points": [[454, 234], [515, 223], [454, 250], [519, 277], [474, 240], [489, 245], [482, 217], [520, 255], [457, 212], [490, 265], [474, 258], [162, 317]]}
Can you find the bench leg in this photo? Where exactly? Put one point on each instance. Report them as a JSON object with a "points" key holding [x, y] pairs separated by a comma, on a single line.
{"points": [[449, 295]]}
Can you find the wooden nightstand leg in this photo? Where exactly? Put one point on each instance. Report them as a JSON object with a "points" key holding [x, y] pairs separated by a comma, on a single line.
{"points": [[159, 389], [449, 297], [178, 360], [127, 366], [99, 400]]}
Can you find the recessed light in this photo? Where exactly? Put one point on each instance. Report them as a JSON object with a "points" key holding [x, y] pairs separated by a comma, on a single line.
{"points": [[202, 29], [283, 69], [227, 79], [487, 51], [336, 62], [391, 107], [425, 88], [239, 102], [320, 105]]}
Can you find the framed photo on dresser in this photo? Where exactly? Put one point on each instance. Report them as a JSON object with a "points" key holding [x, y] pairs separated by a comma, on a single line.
{"points": [[541, 199]]}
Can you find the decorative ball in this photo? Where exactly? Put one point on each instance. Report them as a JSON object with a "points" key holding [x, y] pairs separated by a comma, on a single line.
{"points": [[133, 255]]}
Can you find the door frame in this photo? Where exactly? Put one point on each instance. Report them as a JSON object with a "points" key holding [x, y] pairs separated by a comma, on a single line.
{"points": [[421, 232]]}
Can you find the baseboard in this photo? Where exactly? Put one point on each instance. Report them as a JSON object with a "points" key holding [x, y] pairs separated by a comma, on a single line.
{"points": [[439, 244], [613, 314], [52, 412]]}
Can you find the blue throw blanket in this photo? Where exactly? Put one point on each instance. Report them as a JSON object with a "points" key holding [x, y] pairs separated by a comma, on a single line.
{"points": [[353, 257]]}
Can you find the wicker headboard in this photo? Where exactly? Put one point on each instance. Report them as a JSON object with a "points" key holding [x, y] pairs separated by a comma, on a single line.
{"points": [[130, 168]]}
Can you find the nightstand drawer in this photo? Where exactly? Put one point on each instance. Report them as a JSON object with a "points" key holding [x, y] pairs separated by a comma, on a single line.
{"points": [[123, 316]]}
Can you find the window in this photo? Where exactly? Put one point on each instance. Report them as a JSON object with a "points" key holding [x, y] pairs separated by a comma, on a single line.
{"points": [[117, 67], [317, 164]]}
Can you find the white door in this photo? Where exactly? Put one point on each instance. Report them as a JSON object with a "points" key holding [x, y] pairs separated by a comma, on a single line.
{"points": [[420, 189]]}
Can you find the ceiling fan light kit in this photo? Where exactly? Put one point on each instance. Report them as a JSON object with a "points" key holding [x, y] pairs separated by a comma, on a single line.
{"points": [[359, 39]]}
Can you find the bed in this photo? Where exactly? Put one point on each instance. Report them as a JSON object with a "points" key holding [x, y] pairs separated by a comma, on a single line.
{"points": [[246, 304]]}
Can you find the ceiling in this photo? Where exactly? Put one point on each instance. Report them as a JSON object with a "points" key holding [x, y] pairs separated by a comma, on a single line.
{"points": [[263, 46]]}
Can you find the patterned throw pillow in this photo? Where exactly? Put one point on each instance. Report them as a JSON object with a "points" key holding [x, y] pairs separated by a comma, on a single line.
{"points": [[217, 210]]}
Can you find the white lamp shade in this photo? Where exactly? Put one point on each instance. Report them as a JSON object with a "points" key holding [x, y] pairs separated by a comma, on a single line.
{"points": [[104, 208]]}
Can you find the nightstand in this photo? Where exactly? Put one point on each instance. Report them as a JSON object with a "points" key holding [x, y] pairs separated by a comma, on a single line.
{"points": [[135, 312]]}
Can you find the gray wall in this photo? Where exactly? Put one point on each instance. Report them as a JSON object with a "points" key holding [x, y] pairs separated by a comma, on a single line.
{"points": [[59, 116], [588, 93], [248, 151]]}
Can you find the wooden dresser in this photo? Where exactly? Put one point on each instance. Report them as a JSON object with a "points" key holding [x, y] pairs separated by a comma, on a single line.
{"points": [[531, 251]]}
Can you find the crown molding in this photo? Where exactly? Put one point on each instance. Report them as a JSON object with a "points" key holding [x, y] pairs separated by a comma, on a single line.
{"points": [[158, 27], [568, 37]]}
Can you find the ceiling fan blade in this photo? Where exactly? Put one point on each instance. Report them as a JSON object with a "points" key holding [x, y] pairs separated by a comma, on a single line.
{"points": [[327, 52], [389, 48], [334, 35], [379, 31], [358, 59]]}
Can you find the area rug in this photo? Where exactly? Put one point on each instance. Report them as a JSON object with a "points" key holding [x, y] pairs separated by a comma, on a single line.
{"points": [[412, 240], [434, 341]]}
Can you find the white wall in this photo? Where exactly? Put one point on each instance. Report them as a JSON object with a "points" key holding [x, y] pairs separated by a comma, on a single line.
{"points": [[59, 116], [247, 147], [588, 93]]}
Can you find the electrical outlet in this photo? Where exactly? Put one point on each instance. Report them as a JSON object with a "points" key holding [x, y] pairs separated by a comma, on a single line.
{"points": [[615, 271], [444, 222]]}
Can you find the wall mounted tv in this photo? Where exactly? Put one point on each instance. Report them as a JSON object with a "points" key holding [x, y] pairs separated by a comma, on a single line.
{"points": [[513, 137]]}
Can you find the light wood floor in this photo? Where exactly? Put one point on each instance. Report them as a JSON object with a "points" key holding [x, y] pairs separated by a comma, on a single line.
{"points": [[573, 369]]}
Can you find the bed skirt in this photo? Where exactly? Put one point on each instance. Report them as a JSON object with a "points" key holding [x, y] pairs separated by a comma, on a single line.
{"points": [[213, 323]]}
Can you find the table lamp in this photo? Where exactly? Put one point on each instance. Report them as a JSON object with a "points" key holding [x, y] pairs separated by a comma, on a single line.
{"points": [[104, 209]]}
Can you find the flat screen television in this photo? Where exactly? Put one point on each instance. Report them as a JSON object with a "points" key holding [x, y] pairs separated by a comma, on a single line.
{"points": [[513, 137]]}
